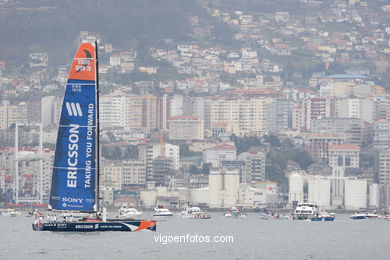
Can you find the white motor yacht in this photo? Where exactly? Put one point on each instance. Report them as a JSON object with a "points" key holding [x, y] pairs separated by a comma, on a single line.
{"points": [[162, 212], [194, 212], [364, 214], [126, 212]]}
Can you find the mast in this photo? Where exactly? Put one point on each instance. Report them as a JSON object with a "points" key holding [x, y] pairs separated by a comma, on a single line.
{"points": [[97, 195]]}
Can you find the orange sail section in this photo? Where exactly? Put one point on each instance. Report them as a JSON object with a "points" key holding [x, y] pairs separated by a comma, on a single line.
{"points": [[84, 63]]}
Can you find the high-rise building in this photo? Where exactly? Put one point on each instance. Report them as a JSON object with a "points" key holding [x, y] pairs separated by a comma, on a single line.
{"points": [[186, 128], [47, 169], [149, 152], [352, 128], [133, 173], [162, 170], [383, 108], [50, 110], [254, 168], [315, 108], [11, 114], [384, 175], [219, 153], [318, 145], [111, 175], [176, 105], [129, 111], [381, 134], [362, 108], [246, 116], [280, 115]]}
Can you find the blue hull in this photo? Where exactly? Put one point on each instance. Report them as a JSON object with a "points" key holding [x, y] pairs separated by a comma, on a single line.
{"points": [[358, 217], [323, 219], [128, 226]]}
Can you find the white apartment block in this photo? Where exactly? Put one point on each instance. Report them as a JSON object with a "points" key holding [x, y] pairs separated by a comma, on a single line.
{"points": [[47, 169], [315, 108], [381, 137], [111, 175], [384, 167], [129, 111], [246, 116], [133, 173], [50, 110], [219, 153], [112, 111], [384, 175], [176, 104], [186, 128], [362, 108], [254, 169], [149, 152], [10, 114]]}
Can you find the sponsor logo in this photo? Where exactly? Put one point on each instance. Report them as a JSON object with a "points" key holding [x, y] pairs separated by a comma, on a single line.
{"points": [[84, 64], [72, 200], [74, 109], [73, 155], [84, 226], [96, 226]]}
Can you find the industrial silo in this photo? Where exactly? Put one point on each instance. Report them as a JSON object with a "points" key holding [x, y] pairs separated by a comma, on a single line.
{"points": [[355, 193], [295, 186], [319, 191]]}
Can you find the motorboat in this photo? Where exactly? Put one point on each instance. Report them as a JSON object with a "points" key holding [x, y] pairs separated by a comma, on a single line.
{"points": [[126, 212], [162, 212], [386, 216], [195, 212], [11, 213], [324, 216], [234, 212], [364, 214], [271, 216]]}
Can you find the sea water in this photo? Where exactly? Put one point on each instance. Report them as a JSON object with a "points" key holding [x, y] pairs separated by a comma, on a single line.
{"points": [[250, 238]]}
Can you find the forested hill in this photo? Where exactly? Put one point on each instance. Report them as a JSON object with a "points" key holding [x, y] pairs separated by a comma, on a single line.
{"points": [[28, 25]]}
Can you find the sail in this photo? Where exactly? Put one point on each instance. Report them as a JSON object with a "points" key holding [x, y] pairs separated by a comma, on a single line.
{"points": [[74, 170]]}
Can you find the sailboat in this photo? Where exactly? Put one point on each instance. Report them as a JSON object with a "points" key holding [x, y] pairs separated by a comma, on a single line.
{"points": [[74, 190]]}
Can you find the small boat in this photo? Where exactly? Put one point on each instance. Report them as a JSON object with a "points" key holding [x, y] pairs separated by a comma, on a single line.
{"points": [[162, 212], [324, 216], [271, 216], [195, 212], [234, 212], [386, 216], [29, 213], [11, 213], [364, 214], [126, 212], [75, 178]]}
